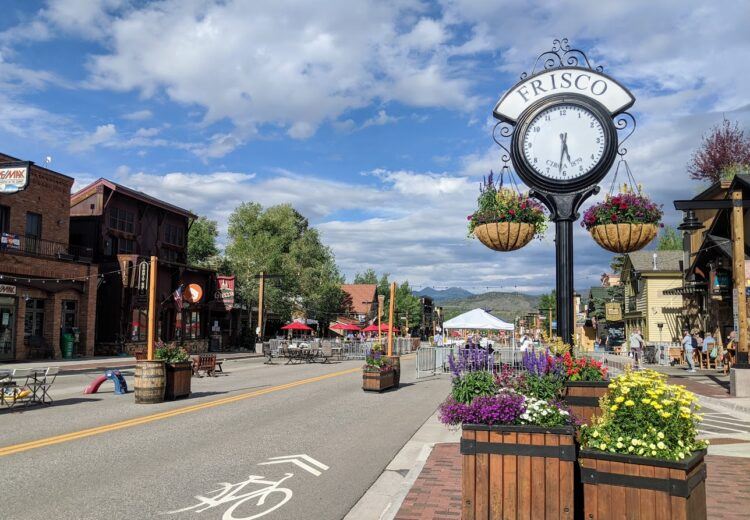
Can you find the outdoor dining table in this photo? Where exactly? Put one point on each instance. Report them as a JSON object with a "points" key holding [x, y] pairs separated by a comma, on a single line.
{"points": [[32, 381]]}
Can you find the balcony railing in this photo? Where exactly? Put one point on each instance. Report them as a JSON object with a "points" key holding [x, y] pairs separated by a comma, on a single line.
{"points": [[27, 245]]}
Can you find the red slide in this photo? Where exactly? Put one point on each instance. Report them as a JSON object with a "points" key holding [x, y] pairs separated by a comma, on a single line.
{"points": [[95, 384]]}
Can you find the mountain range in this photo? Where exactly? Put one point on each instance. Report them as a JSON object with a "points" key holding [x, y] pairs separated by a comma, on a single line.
{"points": [[506, 306]]}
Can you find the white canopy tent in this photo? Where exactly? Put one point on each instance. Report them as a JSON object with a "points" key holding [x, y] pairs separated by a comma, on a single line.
{"points": [[477, 319]]}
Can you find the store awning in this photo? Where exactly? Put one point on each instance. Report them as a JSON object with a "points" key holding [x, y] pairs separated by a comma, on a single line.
{"points": [[689, 289]]}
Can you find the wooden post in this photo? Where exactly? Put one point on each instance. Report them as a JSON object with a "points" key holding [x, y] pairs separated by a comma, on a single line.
{"points": [[381, 301], [390, 318], [261, 289], [738, 272], [151, 308], [549, 318]]}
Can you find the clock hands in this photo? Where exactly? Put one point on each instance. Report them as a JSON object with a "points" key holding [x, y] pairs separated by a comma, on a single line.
{"points": [[563, 150]]}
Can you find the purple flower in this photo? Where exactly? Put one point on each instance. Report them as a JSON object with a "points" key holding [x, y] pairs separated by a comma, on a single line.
{"points": [[504, 408]]}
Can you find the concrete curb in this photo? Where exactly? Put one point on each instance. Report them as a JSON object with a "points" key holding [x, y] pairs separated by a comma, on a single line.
{"points": [[383, 499], [713, 402]]}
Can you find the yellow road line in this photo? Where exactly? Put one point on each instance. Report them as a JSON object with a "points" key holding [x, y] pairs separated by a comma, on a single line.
{"points": [[57, 439]]}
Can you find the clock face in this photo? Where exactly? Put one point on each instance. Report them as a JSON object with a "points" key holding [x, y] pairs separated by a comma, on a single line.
{"points": [[564, 142]]}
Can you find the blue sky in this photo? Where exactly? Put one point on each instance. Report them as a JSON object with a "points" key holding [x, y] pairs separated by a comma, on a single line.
{"points": [[371, 117]]}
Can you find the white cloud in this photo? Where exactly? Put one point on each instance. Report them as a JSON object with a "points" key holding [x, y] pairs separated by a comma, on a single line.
{"points": [[280, 63], [382, 118], [102, 135], [139, 115]]}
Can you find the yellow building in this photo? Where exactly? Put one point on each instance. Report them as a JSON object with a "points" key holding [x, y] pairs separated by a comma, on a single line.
{"points": [[646, 275]]}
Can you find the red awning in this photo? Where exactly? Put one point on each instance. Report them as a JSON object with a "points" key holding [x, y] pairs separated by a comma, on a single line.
{"points": [[295, 325]]}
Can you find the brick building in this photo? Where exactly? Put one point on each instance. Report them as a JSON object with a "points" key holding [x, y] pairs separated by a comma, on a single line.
{"points": [[124, 227], [47, 286]]}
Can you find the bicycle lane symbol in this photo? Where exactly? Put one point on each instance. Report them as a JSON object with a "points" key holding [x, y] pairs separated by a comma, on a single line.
{"points": [[260, 500]]}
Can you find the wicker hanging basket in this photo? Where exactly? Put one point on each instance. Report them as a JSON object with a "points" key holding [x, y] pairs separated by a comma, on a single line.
{"points": [[623, 238], [505, 236]]}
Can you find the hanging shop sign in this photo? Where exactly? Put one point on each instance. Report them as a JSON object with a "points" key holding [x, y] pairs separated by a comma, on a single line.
{"points": [[612, 311], [720, 280], [14, 176], [225, 293], [193, 293], [143, 273], [7, 290]]}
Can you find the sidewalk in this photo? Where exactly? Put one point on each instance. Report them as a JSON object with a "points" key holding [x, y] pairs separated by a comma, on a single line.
{"points": [[71, 366]]}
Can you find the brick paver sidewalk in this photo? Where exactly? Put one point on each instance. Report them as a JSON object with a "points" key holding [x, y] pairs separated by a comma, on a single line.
{"points": [[437, 492]]}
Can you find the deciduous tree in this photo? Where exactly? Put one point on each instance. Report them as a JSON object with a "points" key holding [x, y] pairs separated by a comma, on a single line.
{"points": [[202, 246], [670, 240]]}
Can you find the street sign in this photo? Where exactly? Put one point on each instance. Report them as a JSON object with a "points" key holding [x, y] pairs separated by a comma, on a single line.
{"points": [[143, 273]]}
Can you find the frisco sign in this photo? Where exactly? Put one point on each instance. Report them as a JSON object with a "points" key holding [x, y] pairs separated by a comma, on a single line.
{"points": [[566, 80], [14, 176]]}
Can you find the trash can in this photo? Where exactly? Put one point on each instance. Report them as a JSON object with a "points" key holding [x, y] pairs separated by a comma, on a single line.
{"points": [[68, 342]]}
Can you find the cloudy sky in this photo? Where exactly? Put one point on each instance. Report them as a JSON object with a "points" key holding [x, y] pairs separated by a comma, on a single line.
{"points": [[371, 117]]}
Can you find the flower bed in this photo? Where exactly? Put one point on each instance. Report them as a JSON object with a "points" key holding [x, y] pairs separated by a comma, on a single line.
{"points": [[586, 382], [642, 454]]}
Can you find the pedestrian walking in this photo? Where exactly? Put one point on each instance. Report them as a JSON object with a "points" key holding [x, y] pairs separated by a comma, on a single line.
{"points": [[636, 346], [687, 347]]}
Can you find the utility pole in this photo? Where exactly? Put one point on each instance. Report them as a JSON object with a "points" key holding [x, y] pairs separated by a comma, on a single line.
{"points": [[381, 302], [151, 309], [262, 277], [390, 319], [738, 274], [261, 291]]}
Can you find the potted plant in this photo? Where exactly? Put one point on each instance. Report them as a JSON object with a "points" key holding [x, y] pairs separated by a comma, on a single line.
{"points": [[178, 370], [505, 220], [585, 382], [518, 451], [642, 452], [378, 373], [623, 223]]}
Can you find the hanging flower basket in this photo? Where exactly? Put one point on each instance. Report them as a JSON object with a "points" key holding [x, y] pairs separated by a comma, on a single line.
{"points": [[505, 220], [505, 236], [623, 223], [623, 238]]}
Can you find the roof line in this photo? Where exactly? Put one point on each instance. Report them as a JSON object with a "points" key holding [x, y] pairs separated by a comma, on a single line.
{"points": [[138, 195]]}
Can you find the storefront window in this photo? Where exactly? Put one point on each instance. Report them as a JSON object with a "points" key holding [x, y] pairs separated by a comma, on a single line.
{"points": [[68, 314], [34, 322], [139, 325], [192, 324]]}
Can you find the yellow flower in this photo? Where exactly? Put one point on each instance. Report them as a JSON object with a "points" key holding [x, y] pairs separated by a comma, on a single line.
{"points": [[660, 435], [661, 445], [645, 400], [620, 445], [629, 402], [613, 407], [602, 446], [626, 390], [653, 453], [635, 442], [666, 415], [619, 399], [595, 434]]}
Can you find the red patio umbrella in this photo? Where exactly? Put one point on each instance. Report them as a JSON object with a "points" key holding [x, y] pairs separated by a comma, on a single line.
{"points": [[344, 326], [383, 328], [295, 325]]}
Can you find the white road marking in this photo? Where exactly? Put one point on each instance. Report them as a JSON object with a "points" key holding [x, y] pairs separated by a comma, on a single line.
{"points": [[295, 459]]}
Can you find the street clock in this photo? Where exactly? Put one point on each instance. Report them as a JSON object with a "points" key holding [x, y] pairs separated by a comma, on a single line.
{"points": [[563, 123], [564, 143]]}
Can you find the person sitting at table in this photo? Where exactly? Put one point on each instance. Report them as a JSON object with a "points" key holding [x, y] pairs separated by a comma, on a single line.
{"points": [[709, 350]]}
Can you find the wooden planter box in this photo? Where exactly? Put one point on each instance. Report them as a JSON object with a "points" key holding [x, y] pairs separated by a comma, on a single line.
{"points": [[583, 398], [178, 379], [377, 381], [634, 487], [517, 472]]}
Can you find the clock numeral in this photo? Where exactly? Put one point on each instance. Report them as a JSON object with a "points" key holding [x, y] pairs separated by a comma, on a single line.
{"points": [[565, 173], [563, 112], [580, 168], [547, 170], [535, 159], [547, 118], [537, 129], [591, 125], [579, 115], [592, 156], [598, 140]]}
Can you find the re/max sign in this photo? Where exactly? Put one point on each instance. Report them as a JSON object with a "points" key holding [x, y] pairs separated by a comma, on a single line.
{"points": [[13, 177], [572, 80]]}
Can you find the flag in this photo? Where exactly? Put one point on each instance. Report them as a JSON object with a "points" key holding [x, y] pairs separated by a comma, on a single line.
{"points": [[178, 297]]}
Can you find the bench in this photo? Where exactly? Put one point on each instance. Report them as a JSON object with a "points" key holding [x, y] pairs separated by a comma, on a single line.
{"points": [[204, 363]]}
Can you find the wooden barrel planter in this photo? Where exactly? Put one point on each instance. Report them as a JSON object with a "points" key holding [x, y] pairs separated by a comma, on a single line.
{"points": [[178, 379], [396, 364], [625, 486], [505, 236], [582, 397], [517, 472], [623, 238], [150, 382], [378, 381]]}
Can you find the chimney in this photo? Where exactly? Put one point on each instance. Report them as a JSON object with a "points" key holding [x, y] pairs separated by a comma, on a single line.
{"points": [[655, 267]]}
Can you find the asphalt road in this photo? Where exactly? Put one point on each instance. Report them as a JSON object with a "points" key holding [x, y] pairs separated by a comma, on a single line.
{"points": [[104, 457]]}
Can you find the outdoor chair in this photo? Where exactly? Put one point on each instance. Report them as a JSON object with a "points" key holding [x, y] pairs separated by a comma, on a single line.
{"points": [[325, 353], [22, 390], [204, 363], [43, 385]]}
